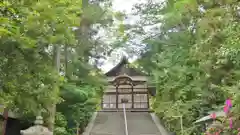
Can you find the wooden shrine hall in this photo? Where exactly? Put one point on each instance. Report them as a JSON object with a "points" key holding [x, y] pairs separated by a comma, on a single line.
{"points": [[126, 84]]}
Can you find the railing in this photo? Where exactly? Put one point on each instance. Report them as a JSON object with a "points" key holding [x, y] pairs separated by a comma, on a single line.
{"points": [[125, 118]]}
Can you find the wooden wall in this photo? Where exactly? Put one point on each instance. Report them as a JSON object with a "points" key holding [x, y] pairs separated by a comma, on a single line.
{"points": [[139, 95]]}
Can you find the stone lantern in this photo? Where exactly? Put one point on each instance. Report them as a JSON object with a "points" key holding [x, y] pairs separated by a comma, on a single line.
{"points": [[37, 129]]}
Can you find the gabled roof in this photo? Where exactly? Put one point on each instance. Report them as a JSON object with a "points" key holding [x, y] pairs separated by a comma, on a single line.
{"points": [[131, 71]]}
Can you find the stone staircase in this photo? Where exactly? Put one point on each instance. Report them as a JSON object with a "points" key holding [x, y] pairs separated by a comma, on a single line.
{"points": [[108, 123], [112, 123], [141, 123]]}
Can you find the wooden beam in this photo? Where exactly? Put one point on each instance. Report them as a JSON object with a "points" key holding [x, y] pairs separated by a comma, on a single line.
{"points": [[5, 116]]}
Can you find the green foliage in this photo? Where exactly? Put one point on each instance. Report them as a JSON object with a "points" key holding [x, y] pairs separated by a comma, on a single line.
{"points": [[78, 102], [81, 91], [29, 81], [27, 30], [194, 59], [80, 96], [61, 124]]}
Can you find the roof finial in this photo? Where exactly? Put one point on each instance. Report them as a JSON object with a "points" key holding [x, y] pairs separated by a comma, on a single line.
{"points": [[124, 59], [124, 55]]}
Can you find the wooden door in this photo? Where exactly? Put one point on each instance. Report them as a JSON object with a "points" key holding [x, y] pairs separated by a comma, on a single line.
{"points": [[109, 101], [128, 105], [140, 101]]}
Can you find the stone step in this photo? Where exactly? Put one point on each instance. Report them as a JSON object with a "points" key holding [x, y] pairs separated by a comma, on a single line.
{"points": [[112, 123], [141, 123], [108, 123]]}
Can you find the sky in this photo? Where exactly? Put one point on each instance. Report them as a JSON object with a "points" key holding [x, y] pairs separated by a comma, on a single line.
{"points": [[126, 7]]}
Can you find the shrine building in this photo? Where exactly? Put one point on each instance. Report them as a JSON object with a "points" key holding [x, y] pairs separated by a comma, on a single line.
{"points": [[126, 85]]}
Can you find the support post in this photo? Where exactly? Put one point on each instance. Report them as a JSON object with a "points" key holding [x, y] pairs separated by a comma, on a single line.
{"points": [[5, 116], [181, 123], [77, 133]]}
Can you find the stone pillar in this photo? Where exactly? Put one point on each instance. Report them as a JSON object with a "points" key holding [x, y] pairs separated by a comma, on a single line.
{"points": [[37, 129]]}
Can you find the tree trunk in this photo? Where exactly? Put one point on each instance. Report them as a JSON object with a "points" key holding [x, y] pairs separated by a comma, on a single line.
{"points": [[52, 107], [66, 60]]}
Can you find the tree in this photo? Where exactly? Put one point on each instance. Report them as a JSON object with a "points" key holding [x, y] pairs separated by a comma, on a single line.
{"points": [[193, 57], [47, 48], [81, 90], [28, 31]]}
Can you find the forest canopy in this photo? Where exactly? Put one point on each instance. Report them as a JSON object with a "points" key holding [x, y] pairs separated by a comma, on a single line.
{"points": [[51, 51]]}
